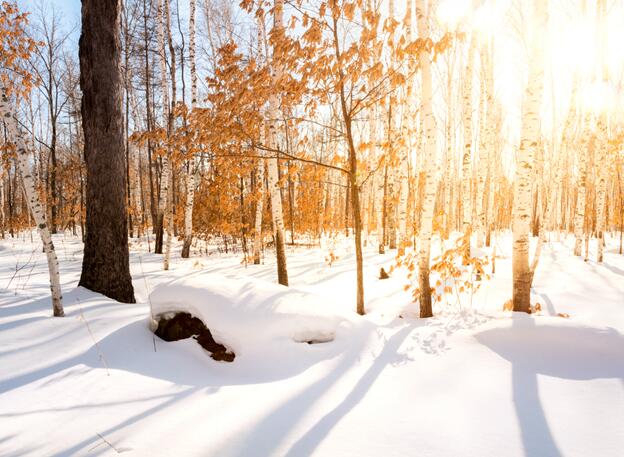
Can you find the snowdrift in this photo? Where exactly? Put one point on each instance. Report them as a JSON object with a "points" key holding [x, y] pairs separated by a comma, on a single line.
{"points": [[250, 315]]}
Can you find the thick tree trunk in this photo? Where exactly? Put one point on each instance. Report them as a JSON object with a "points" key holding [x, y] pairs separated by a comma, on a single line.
{"points": [[105, 265], [530, 138], [32, 198]]}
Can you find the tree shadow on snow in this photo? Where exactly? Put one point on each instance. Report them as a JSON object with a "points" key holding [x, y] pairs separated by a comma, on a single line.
{"points": [[313, 437], [267, 436], [568, 352]]}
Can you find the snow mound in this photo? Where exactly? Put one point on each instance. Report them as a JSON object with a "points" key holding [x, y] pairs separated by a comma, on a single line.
{"points": [[247, 315]]}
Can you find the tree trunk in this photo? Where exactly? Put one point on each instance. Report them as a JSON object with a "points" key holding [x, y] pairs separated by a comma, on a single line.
{"points": [[32, 198], [429, 124], [274, 189], [486, 120], [467, 122], [164, 178], [105, 265], [530, 138], [579, 215], [170, 119], [190, 176], [257, 247]]}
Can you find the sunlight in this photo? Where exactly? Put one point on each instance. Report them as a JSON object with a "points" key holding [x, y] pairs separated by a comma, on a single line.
{"points": [[452, 12], [486, 21], [576, 46], [598, 97]]}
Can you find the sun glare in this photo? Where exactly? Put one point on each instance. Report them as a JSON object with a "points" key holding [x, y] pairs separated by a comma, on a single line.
{"points": [[598, 97], [451, 12]]}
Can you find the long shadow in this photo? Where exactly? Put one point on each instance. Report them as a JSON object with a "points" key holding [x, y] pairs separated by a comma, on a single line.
{"points": [[546, 350], [537, 438], [313, 437], [75, 449], [82, 406], [613, 269], [548, 302], [266, 437]]}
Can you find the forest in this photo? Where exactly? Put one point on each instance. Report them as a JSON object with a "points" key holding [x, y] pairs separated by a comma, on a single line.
{"points": [[268, 227]]}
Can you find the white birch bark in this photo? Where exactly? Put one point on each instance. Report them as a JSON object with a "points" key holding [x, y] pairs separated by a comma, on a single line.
{"points": [[378, 186], [32, 198], [190, 174], [137, 189], [486, 119], [273, 174], [426, 107], [168, 218], [260, 171], [603, 136], [257, 248], [2, 215], [530, 137], [407, 135], [579, 214], [164, 177], [164, 203], [467, 124], [601, 184]]}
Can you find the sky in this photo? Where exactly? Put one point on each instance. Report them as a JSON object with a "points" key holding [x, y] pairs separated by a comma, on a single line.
{"points": [[68, 11]]}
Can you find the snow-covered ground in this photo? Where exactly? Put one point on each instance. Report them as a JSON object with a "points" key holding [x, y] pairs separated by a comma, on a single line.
{"points": [[474, 381]]}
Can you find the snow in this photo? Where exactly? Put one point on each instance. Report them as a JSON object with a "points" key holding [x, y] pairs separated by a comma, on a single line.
{"points": [[472, 381], [249, 315]]}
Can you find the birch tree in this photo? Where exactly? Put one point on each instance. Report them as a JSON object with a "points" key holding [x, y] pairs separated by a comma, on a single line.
{"points": [[165, 173], [257, 244], [409, 120], [467, 123], [15, 80], [190, 170], [603, 135], [22, 163], [273, 164], [429, 124], [530, 139]]}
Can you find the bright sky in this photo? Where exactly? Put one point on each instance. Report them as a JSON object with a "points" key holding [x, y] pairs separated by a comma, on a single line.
{"points": [[69, 10]]}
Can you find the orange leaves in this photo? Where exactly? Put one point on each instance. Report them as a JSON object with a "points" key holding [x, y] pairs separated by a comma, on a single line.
{"points": [[15, 49], [456, 272], [348, 10], [313, 34]]}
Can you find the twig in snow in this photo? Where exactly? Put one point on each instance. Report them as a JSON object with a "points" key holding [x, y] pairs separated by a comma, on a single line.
{"points": [[18, 269], [97, 346], [149, 300], [107, 442]]}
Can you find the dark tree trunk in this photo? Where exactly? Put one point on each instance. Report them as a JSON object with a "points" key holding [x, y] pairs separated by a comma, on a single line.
{"points": [[105, 265]]}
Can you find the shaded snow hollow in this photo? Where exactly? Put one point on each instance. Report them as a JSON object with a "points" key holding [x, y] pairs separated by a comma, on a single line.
{"points": [[251, 315]]}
